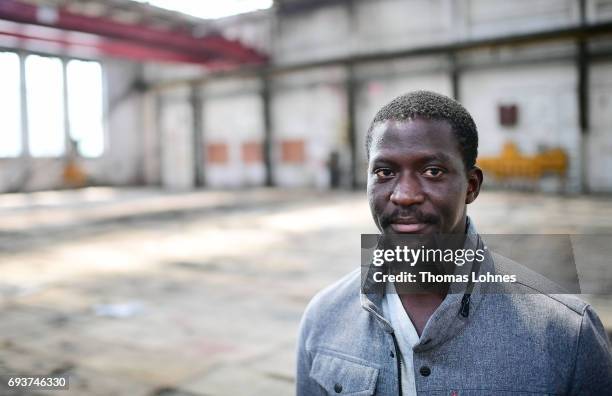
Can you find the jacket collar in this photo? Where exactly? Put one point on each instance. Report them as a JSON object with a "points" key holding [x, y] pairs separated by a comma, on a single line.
{"points": [[455, 311]]}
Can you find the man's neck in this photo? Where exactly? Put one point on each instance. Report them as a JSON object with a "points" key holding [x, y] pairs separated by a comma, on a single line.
{"points": [[420, 306]]}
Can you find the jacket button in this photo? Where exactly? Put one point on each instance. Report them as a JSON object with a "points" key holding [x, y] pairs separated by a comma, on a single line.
{"points": [[337, 388], [425, 371]]}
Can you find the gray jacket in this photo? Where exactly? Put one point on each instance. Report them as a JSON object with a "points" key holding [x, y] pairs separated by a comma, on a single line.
{"points": [[518, 343]]}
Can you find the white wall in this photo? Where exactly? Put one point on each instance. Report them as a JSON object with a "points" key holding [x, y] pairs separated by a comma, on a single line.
{"points": [[381, 83], [148, 143], [311, 107], [599, 10], [321, 33], [30, 174], [121, 161], [398, 24], [233, 115], [599, 137], [485, 18], [545, 95], [255, 29], [363, 27], [177, 166]]}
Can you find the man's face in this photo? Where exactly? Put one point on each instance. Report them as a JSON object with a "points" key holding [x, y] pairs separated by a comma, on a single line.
{"points": [[417, 181]]}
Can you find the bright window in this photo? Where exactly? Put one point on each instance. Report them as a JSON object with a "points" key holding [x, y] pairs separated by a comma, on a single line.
{"points": [[45, 93], [10, 105], [85, 108], [210, 9]]}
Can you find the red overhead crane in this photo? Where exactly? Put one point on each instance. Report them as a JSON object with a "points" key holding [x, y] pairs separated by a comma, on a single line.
{"points": [[135, 41]]}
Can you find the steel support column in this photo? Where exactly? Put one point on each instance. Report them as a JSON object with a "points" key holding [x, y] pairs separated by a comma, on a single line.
{"points": [[454, 76], [582, 65], [69, 147], [195, 100], [25, 141], [351, 92], [268, 125]]}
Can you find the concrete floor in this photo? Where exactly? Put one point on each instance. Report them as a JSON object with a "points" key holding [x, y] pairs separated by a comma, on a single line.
{"points": [[138, 292]]}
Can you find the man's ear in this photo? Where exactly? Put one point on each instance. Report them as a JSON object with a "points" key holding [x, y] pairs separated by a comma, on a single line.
{"points": [[474, 177]]}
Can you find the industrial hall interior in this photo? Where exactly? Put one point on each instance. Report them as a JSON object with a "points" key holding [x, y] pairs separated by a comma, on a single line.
{"points": [[178, 178]]}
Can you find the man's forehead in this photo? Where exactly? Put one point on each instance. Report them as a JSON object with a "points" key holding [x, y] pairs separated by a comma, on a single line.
{"points": [[421, 155], [414, 140], [412, 131]]}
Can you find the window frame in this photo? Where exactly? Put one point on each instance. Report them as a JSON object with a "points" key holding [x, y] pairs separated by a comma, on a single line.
{"points": [[25, 151], [20, 106]]}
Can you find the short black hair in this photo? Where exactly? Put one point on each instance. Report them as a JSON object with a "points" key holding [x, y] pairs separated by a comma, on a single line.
{"points": [[432, 106]]}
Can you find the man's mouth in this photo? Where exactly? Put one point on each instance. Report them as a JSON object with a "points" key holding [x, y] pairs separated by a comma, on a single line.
{"points": [[408, 226]]}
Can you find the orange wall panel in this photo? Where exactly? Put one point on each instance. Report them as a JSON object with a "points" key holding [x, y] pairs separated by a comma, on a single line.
{"points": [[293, 151], [217, 153], [252, 152]]}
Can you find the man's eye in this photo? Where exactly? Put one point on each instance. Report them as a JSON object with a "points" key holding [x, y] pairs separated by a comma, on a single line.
{"points": [[433, 172], [384, 172]]}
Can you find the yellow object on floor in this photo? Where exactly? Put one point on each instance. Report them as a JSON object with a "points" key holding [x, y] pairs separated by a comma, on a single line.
{"points": [[73, 175], [511, 163]]}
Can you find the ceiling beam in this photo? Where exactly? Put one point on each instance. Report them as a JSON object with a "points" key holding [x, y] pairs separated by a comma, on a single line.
{"points": [[211, 48]]}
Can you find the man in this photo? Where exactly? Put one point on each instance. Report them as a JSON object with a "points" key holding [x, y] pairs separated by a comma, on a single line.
{"points": [[422, 150]]}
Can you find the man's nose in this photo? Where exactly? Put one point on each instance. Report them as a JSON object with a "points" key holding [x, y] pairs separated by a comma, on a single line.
{"points": [[407, 192]]}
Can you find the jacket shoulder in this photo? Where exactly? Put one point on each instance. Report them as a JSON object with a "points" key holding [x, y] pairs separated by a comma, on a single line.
{"points": [[339, 294], [330, 309], [531, 282]]}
